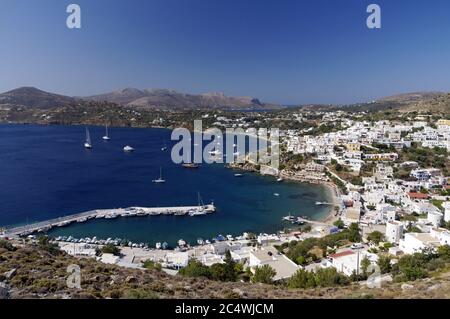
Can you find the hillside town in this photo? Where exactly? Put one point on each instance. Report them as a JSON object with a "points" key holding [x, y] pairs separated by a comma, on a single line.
{"points": [[389, 178]]}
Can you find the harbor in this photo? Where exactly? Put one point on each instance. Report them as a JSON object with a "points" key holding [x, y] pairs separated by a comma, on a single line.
{"points": [[44, 226], [62, 177]]}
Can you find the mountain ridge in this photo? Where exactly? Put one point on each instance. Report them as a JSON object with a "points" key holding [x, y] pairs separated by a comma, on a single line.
{"points": [[162, 99], [171, 99], [166, 99]]}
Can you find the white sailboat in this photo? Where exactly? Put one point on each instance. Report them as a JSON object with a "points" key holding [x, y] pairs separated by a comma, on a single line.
{"points": [[200, 210], [160, 179], [106, 137], [128, 149], [88, 143]]}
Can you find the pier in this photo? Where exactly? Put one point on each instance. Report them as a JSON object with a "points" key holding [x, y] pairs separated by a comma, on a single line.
{"points": [[44, 226]]}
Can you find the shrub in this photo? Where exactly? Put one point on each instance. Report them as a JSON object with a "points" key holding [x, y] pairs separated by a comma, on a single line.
{"points": [[264, 274], [376, 237], [151, 265], [195, 269], [6, 245], [110, 249]]}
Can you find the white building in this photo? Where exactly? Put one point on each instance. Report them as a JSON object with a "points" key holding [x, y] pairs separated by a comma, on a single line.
{"points": [[435, 218], [417, 242], [394, 231], [447, 211], [349, 261], [283, 266]]}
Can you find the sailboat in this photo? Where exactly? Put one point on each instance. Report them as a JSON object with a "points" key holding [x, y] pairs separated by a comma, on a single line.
{"points": [[106, 137], [88, 143], [160, 179], [200, 210], [128, 149]]}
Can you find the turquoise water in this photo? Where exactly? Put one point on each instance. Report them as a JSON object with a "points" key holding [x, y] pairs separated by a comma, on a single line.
{"points": [[46, 173]]}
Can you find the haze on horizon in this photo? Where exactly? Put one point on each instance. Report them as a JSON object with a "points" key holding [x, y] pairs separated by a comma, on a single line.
{"points": [[289, 52]]}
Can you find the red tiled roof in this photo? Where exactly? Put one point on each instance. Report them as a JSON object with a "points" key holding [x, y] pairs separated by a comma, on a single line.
{"points": [[342, 254], [418, 195]]}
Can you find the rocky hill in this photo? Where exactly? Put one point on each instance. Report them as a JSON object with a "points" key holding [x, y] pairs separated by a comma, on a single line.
{"points": [[173, 100], [34, 272], [34, 98]]}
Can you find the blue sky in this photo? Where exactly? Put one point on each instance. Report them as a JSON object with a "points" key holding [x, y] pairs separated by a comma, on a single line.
{"points": [[310, 51]]}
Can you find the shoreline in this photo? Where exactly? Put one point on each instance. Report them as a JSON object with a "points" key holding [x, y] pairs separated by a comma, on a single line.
{"points": [[333, 191]]}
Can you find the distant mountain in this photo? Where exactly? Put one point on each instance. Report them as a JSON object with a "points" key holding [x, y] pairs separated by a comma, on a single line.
{"points": [[411, 97], [169, 99], [34, 98]]}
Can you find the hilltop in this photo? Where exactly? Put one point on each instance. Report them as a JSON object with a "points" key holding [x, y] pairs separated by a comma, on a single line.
{"points": [[31, 97], [34, 272]]}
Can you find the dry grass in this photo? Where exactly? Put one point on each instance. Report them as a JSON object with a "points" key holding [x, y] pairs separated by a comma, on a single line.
{"points": [[43, 275]]}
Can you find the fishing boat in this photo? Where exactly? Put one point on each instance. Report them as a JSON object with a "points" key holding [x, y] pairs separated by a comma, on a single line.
{"points": [[88, 144], [322, 203], [160, 180], [128, 149], [288, 218], [158, 245], [190, 165], [106, 137]]}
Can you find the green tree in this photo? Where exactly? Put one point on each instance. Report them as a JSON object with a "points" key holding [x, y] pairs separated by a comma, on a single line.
{"points": [[384, 262], [110, 249], [228, 271], [354, 235], [264, 274], [376, 237], [412, 267], [195, 269], [339, 224], [365, 263], [150, 264], [302, 279], [230, 267], [444, 252], [329, 277]]}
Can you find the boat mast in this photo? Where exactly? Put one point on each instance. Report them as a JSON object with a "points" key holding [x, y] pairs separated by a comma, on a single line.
{"points": [[200, 202], [88, 136]]}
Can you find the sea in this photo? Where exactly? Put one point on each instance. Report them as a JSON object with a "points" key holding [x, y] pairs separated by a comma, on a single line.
{"points": [[45, 172]]}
